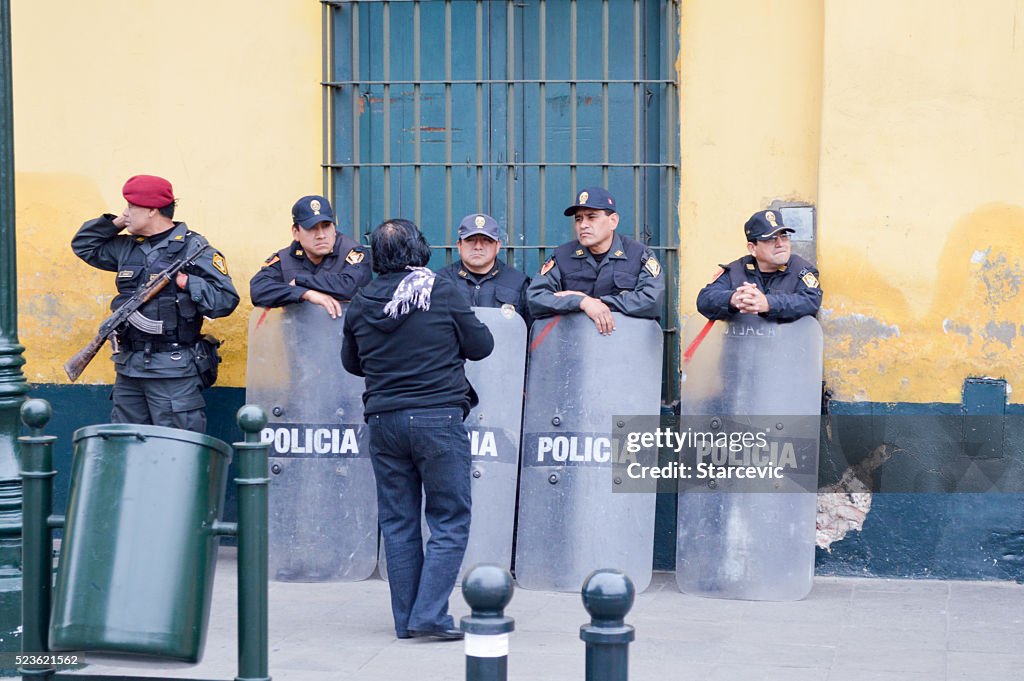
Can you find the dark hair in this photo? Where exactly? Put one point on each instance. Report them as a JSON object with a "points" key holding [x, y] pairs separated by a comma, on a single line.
{"points": [[168, 210], [398, 243]]}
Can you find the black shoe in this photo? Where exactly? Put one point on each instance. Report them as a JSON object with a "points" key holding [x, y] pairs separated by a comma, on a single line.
{"points": [[437, 634], [403, 634]]}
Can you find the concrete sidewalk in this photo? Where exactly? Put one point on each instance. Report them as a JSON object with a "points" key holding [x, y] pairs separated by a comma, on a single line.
{"points": [[846, 630]]}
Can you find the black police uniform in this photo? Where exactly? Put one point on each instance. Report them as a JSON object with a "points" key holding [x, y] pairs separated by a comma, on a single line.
{"points": [[157, 378], [627, 279], [792, 292], [340, 274], [503, 285]]}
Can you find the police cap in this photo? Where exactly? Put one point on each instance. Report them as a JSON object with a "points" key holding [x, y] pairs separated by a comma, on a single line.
{"points": [[479, 223], [310, 211], [592, 197], [764, 225]]}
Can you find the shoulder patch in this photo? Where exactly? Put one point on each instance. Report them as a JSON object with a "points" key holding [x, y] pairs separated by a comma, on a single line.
{"points": [[354, 257], [720, 272], [272, 260], [220, 263], [653, 266], [548, 264], [810, 281]]}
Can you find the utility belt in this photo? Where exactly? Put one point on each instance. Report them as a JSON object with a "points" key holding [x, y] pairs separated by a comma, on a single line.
{"points": [[204, 353], [151, 346]]}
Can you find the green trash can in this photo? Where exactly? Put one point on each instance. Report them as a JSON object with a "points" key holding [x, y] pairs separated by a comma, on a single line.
{"points": [[138, 557]]}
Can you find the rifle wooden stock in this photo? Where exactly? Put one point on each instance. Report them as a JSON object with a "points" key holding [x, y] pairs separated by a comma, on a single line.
{"points": [[77, 364]]}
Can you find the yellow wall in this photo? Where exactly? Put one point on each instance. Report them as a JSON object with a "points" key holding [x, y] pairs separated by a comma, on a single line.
{"points": [[901, 121], [222, 98], [750, 105], [922, 196]]}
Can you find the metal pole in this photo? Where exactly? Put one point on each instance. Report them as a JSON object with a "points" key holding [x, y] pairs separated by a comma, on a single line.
{"points": [[607, 595], [487, 589], [12, 381], [37, 540], [252, 547]]}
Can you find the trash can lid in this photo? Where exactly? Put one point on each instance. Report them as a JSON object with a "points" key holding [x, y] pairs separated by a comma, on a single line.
{"points": [[145, 432]]}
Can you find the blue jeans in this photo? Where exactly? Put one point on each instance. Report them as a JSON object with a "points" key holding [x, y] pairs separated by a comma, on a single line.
{"points": [[416, 452]]}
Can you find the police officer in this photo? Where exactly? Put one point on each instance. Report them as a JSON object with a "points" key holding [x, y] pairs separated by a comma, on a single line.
{"points": [[600, 272], [769, 281], [158, 380], [479, 273], [321, 266]]}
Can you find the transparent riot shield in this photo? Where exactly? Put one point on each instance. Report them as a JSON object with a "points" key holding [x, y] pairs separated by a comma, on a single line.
{"points": [[323, 499], [494, 427], [750, 402], [571, 519]]}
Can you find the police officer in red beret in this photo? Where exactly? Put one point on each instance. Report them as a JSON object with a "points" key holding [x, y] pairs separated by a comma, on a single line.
{"points": [[321, 266], [769, 281], [162, 359]]}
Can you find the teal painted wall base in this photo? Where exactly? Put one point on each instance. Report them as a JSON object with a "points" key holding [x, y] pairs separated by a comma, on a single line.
{"points": [[77, 406], [931, 533]]}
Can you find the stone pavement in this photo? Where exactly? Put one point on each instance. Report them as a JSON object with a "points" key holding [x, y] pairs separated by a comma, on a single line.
{"points": [[846, 630]]}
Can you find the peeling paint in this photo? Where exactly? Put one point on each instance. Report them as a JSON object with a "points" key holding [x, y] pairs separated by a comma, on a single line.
{"points": [[957, 315], [949, 326], [858, 331], [1004, 332], [843, 506]]}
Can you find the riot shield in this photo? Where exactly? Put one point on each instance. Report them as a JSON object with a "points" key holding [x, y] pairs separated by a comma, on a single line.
{"points": [[750, 400], [571, 519], [323, 499], [494, 426]]}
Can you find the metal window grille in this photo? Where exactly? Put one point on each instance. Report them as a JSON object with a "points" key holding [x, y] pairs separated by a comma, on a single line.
{"points": [[434, 109]]}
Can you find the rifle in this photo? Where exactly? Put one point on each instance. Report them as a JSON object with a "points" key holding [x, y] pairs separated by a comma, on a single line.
{"points": [[129, 313]]}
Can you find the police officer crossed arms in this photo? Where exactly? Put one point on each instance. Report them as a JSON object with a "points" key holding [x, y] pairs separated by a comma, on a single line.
{"points": [[599, 272], [480, 274], [158, 380], [322, 265], [769, 281]]}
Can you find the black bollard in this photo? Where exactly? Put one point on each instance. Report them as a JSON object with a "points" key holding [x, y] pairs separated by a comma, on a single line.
{"points": [[487, 589], [607, 595]]}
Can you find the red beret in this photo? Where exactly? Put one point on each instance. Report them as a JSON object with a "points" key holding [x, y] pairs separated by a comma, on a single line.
{"points": [[148, 191]]}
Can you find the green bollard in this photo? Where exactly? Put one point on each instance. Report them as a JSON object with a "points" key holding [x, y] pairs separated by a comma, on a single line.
{"points": [[37, 541], [607, 595], [487, 589], [252, 480]]}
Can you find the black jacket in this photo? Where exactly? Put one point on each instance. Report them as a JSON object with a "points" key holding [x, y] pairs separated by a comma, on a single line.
{"points": [[339, 274], [503, 285], [417, 360], [793, 291]]}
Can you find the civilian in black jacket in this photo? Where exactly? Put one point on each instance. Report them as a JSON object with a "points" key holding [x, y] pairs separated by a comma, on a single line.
{"points": [[409, 334]]}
